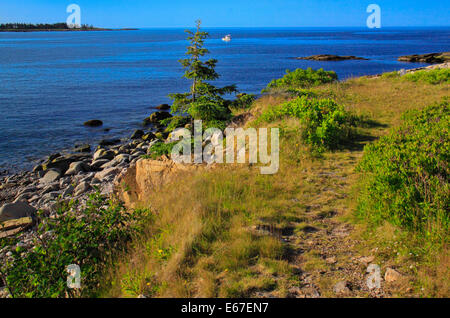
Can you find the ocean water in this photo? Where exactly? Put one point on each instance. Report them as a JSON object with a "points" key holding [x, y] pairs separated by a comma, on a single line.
{"points": [[52, 82]]}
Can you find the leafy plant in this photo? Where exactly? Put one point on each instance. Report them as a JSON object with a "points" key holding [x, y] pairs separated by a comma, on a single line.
{"points": [[159, 149], [88, 236], [243, 101], [407, 172], [326, 123], [434, 77], [301, 78]]}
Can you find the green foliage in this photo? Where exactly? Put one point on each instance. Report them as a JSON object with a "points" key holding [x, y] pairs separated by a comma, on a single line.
{"points": [[175, 122], [89, 237], [326, 124], [434, 77], [204, 101], [299, 92], [407, 172], [160, 148], [390, 75], [302, 79], [243, 101]]}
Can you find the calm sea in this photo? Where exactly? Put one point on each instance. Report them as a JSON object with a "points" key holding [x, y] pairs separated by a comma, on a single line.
{"points": [[51, 82]]}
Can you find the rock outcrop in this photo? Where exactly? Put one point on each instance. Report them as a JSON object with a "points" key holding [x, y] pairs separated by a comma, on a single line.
{"points": [[430, 58], [330, 57]]}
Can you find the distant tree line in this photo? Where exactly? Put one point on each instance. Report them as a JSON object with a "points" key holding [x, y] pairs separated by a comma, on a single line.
{"points": [[40, 26]]}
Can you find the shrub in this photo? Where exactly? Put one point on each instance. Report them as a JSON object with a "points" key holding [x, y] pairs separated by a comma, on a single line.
{"points": [[434, 77], [175, 122], [407, 174], [89, 237], [243, 101], [302, 79], [160, 148], [326, 124]]}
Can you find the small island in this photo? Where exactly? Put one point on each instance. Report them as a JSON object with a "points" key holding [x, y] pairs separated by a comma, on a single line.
{"points": [[45, 27], [430, 58], [330, 57]]}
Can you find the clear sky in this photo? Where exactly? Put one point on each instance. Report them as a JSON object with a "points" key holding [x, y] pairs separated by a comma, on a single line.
{"points": [[229, 13]]}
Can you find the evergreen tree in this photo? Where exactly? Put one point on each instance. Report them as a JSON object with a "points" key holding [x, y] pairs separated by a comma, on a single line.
{"points": [[204, 101]]}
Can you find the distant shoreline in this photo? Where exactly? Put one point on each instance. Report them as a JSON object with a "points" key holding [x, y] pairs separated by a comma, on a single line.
{"points": [[66, 30]]}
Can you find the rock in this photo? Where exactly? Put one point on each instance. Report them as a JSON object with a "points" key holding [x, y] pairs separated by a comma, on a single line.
{"points": [[149, 136], [366, 260], [68, 191], [163, 107], [50, 176], [137, 134], [430, 58], [23, 197], [77, 167], [99, 163], [106, 173], [83, 148], [103, 154], [82, 188], [93, 123], [392, 275], [156, 117], [63, 163], [331, 260], [341, 288], [122, 158], [12, 227], [54, 156], [109, 142], [330, 57], [12, 211]]}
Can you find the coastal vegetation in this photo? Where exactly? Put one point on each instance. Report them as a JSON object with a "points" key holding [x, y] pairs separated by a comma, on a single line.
{"points": [[40, 26], [318, 221], [302, 79]]}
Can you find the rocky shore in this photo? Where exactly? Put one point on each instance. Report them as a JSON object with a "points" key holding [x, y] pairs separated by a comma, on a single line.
{"points": [[64, 177]]}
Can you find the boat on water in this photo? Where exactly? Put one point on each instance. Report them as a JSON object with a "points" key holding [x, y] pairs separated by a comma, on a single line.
{"points": [[227, 38]]}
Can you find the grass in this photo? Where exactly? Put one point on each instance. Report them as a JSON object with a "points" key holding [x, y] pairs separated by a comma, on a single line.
{"points": [[206, 239]]}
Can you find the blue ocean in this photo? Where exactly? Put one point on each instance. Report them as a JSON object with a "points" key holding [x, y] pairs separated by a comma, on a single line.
{"points": [[52, 82]]}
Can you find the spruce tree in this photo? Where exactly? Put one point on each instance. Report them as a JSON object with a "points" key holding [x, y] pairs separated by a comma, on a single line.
{"points": [[204, 101]]}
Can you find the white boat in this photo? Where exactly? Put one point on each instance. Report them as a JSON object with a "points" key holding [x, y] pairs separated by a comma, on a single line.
{"points": [[227, 38]]}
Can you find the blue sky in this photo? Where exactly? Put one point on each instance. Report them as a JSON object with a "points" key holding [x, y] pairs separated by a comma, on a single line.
{"points": [[229, 13]]}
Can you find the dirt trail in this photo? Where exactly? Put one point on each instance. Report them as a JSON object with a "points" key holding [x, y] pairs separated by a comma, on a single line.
{"points": [[326, 253]]}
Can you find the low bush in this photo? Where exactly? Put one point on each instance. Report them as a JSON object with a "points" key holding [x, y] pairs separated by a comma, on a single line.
{"points": [[302, 79], [175, 122], [326, 123], [243, 101], [89, 237], [160, 148], [434, 77], [406, 174]]}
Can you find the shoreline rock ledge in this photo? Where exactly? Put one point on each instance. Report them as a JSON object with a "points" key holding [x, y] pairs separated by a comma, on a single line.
{"points": [[430, 58], [330, 57]]}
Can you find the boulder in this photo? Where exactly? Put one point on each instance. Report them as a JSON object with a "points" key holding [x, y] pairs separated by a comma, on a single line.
{"points": [[77, 167], [98, 163], [17, 210], [163, 107], [50, 176], [149, 136], [83, 187], [93, 123], [391, 275], [109, 142], [106, 173], [342, 287], [156, 117], [103, 154], [137, 134], [83, 148], [12, 227]]}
